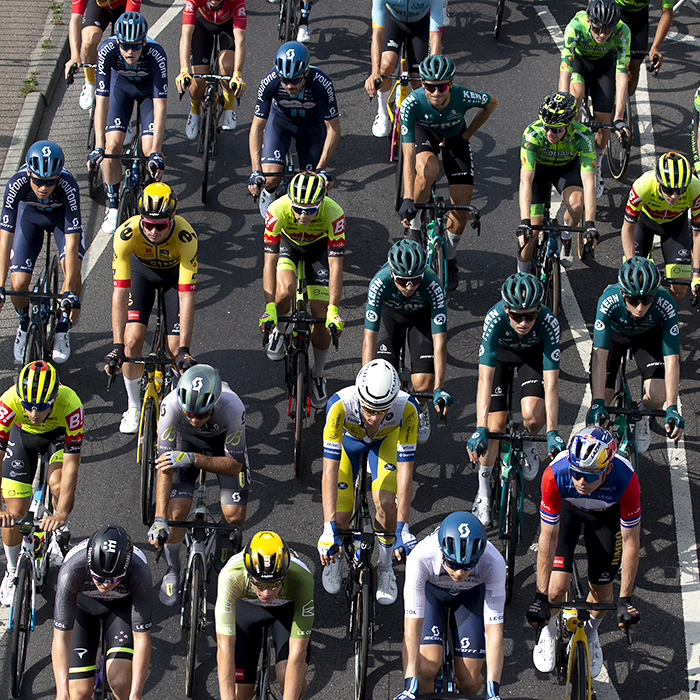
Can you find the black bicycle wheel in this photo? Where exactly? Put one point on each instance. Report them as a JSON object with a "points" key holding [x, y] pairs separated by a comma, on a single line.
{"points": [[21, 624], [209, 129], [53, 304], [618, 149], [511, 526], [578, 676], [496, 487], [300, 414], [438, 263], [127, 205], [500, 6], [197, 583], [33, 350], [399, 179], [281, 25], [290, 21], [149, 449], [361, 637], [552, 287]]}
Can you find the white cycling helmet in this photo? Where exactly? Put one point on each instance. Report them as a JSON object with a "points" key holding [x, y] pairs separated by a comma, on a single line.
{"points": [[378, 385]]}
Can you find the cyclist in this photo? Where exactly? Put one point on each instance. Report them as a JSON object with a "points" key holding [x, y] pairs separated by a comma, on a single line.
{"points": [[596, 52], [130, 67], [556, 151], [416, 25], [303, 34], [519, 333], [374, 417], [590, 487], [295, 99], [265, 586], [305, 225], [658, 205], [38, 415], [432, 122], [695, 133], [637, 316], [88, 20], [202, 21], [41, 196], [405, 298], [635, 14], [201, 426], [103, 580], [153, 249], [454, 572]]}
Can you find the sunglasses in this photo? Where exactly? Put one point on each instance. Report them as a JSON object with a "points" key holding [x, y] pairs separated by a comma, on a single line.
{"points": [[588, 477], [598, 29], [41, 182], [374, 412], [555, 129], [457, 567], [267, 586], [29, 406], [291, 81], [300, 211], [198, 416], [436, 87], [103, 581], [155, 225], [670, 191], [126, 46], [643, 300], [408, 281], [526, 318]]}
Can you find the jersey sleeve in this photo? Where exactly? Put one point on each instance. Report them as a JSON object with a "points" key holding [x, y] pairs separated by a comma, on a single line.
{"points": [[630, 505], [327, 102], [635, 201], [373, 307], [189, 13], [167, 423], [601, 327], [623, 42], [65, 600], [141, 587], [549, 331], [70, 196], [159, 61], [528, 148], [568, 47], [187, 277], [378, 11], [438, 304], [336, 228], [550, 503], [133, 6], [240, 16], [78, 7], [333, 429], [8, 412], [274, 224], [105, 62], [302, 585], [436, 15], [489, 338], [74, 419], [670, 342], [230, 589], [417, 574], [408, 112], [122, 244], [694, 196], [234, 443], [408, 432], [266, 91], [586, 149], [15, 192]]}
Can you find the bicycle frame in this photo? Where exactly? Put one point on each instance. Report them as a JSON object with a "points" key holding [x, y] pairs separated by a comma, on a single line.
{"points": [[399, 92], [264, 687]]}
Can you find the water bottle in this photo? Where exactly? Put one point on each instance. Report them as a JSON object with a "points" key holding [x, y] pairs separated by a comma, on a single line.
{"points": [[569, 618]]}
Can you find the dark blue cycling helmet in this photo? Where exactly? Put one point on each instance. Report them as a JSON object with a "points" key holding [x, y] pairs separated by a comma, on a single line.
{"points": [[131, 28], [292, 60], [45, 159], [462, 538]]}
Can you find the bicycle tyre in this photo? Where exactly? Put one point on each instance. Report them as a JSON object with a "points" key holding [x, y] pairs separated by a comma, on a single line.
{"points": [[578, 676], [290, 22], [361, 636], [438, 263], [500, 6], [33, 350], [618, 149], [399, 179], [496, 487], [209, 126], [21, 624], [148, 453], [552, 287], [301, 390], [197, 582], [54, 304], [511, 523], [127, 205]]}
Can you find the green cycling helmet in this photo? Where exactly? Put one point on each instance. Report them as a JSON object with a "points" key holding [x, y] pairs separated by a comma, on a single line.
{"points": [[638, 277], [407, 258], [522, 291], [198, 389], [437, 69]]}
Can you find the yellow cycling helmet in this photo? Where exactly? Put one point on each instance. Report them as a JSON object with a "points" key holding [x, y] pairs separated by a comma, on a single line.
{"points": [[37, 383], [158, 202], [673, 172], [266, 557], [307, 189]]}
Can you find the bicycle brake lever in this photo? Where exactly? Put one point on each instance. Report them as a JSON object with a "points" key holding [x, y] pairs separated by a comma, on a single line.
{"points": [[334, 336], [266, 335]]}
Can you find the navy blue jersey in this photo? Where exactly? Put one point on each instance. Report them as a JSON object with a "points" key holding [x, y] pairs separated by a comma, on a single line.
{"points": [[151, 67]]}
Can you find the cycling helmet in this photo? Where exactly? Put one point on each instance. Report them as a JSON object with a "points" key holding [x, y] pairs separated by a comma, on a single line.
{"points": [[591, 449], [158, 202], [266, 557], [603, 13], [45, 159], [198, 389], [638, 277], [462, 538], [522, 291], [292, 60], [37, 382], [109, 552], [436, 69], [673, 172], [131, 28], [407, 258], [377, 385], [307, 189], [558, 109]]}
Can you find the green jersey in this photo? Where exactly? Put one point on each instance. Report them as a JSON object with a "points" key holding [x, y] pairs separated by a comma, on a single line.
{"points": [[694, 134], [578, 39], [577, 142], [637, 5]]}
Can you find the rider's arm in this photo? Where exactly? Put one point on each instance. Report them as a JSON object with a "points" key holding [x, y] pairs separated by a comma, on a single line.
{"points": [[630, 559], [369, 346], [239, 53], [69, 480], [406, 451], [482, 114], [494, 651], [226, 466], [159, 117], [621, 86], [60, 660], [330, 143], [329, 488], [566, 64], [376, 48], [186, 317], [412, 628], [295, 676], [483, 394], [440, 358], [140, 664], [255, 141], [527, 177], [409, 168], [335, 279], [589, 196], [120, 307], [551, 398], [404, 489], [75, 26], [72, 263], [672, 378], [186, 44], [270, 276], [545, 555], [101, 109], [226, 665], [627, 233], [164, 485], [599, 372], [661, 30]]}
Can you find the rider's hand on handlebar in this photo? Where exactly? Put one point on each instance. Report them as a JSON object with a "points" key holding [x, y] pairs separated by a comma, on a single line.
{"points": [[655, 61], [6, 519], [477, 444], [2, 297], [333, 319], [270, 316], [404, 541], [620, 125], [555, 444], [237, 84], [597, 413], [69, 70], [674, 423], [407, 212], [539, 612], [523, 232], [410, 690], [371, 84], [51, 523], [174, 459], [440, 393], [625, 609], [114, 359], [183, 80], [591, 233], [159, 532], [95, 156], [156, 165], [329, 544], [184, 359], [256, 182]]}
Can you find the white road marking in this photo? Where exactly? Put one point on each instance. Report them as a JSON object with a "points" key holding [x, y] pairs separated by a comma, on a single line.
{"points": [[683, 38]]}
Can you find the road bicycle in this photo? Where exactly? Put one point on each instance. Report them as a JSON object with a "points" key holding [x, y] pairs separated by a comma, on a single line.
{"points": [[618, 148], [405, 376], [500, 6], [289, 20], [265, 686], [200, 543], [433, 232], [102, 690]]}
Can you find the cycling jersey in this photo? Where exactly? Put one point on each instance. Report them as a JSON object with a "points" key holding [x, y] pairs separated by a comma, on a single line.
{"points": [[448, 121], [578, 40], [429, 295], [179, 248], [636, 5], [426, 565], [620, 486], [328, 223], [646, 196], [229, 10], [74, 578], [577, 142], [408, 11], [78, 6], [66, 413], [152, 66], [65, 199], [612, 314], [316, 101], [498, 332], [234, 585]]}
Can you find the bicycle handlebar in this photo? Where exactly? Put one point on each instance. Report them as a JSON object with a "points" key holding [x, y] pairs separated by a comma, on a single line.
{"points": [[293, 319], [516, 435], [126, 156], [375, 533], [556, 226], [441, 207], [635, 412], [36, 295], [70, 78], [429, 395]]}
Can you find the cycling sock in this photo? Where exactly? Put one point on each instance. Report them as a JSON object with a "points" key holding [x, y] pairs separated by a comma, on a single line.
{"points": [[320, 357], [524, 266], [89, 75], [485, 481], [305, 10], [195, 106], [591, 627], [229, 100], [383, 102], [416, 222], [598, 160], [133, 391], [23, 317], [386, 549], [451, 242], [63, 325], [12, 556], [112, 196], [172, 555]]}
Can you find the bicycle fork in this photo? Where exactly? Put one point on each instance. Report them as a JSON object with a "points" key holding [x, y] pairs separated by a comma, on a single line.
{"points": [[505, 456]]}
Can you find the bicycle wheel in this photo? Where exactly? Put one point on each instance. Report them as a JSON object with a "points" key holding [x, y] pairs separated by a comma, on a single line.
{"points": [[511, 526], [148, 451], [301, 399], [21, 624], [437, 262], [194, 610], [209, 128], [290, 28], [496, 487], [33, 350], [500, 6], [399, 179], [361, 622], [54, 307], [618, 149], [127, 205], [552, 287], [577, 686]]}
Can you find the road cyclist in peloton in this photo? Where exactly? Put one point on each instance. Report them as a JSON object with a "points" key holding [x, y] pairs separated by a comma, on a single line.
{"points": [[658, 204], [130, 68], [454, 572], [556, 151], [405, 298], [153, 249], [38, 415], [201, 426], [695, 133], [416, 24], [266, 585], [307, 225], [88, 21], [586, 487], [295, 99], [202, 20], [41, 195], [432, 123], [596, 53], [638, 316], [374, 417], [519, 334]]}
